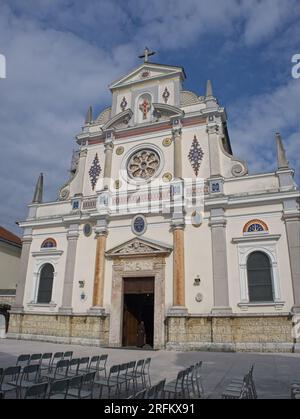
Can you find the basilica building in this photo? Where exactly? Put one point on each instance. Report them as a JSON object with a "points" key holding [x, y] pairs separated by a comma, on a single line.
{"points": [[161, 238]]}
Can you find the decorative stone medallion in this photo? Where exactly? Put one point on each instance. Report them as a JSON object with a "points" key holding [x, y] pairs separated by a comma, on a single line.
{"points": [[95, 171], [139, 225], [64, 194], [119, 150], [117, 184], [195, 155], [196, 219], [199, 298], [167, 142], [166, 95], [167, 177], [123, 104], [143, 164]]}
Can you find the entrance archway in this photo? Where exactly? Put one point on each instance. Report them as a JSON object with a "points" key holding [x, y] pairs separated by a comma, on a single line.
{"points": [[138, 258], [138, 312]]}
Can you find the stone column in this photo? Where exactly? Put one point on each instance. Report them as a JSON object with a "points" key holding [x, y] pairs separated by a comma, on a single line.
{"points": [[99, 276], [178, 267], [292, 224], [219, 258], [177, 138], [26, 244], [109, 146], [72, 237]]}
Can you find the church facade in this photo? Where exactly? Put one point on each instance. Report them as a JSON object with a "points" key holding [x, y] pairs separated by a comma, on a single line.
{"points": [[161, 225]]}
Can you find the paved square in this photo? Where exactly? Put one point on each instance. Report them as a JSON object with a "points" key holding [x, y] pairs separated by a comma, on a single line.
{"points": [[273, 373]]}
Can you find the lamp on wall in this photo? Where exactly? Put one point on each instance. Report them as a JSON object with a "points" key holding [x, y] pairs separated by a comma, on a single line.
{"points": [[197, 280]]}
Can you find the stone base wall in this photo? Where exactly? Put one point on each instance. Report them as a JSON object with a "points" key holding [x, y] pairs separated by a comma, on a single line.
{"points": [[210, 333], [7, 299], [75, 329], [257, 333]]}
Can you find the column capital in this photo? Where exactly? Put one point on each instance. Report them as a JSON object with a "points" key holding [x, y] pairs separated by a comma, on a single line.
{"points": [[72, 235], [213, 129], [108, 145], [293, 216], [26, 240]]}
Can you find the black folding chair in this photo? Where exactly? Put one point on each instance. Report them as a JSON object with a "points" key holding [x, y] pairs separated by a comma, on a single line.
{"points": [[37, 391], [46, 362], [59, 389], [9, 380], [23, 360], [29, 376], [110, 382], [68, 355]]}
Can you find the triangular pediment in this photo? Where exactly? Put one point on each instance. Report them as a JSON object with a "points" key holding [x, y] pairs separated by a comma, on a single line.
{"points": [[139, 247], [148, 71]]}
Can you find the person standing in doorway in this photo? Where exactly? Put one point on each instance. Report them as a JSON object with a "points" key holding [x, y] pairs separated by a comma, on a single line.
{"points": [[141, 335]]}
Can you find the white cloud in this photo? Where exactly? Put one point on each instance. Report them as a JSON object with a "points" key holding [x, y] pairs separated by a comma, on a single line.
{"points": [[62, 54], [254, 122]]}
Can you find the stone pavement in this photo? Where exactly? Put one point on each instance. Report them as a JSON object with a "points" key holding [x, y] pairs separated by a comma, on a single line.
{"points": [[273, 373]]}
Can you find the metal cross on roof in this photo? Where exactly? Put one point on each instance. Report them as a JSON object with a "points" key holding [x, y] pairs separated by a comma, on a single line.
{"points": [[147, 54]]}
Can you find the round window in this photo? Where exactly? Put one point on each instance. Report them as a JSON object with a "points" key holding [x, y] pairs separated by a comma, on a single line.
{"points": [[87, 230], [139, 225], [143, 164]]}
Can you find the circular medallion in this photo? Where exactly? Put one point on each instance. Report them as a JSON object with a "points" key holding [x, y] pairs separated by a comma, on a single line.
{"points": [[167, 177], [199, 298], [143, 164], [87, 229], [167, 142], [139, 225], [118, 184], [64, 194], [120, 150], [196, 219]]}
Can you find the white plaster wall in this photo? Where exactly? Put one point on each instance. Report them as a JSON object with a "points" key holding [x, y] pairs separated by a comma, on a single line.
{"points": [[53, 208], [248, 184], [84, 271], [198, 261]]}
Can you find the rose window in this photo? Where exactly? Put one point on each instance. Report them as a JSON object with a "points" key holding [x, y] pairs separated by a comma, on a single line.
{"points": [[143, 164]]}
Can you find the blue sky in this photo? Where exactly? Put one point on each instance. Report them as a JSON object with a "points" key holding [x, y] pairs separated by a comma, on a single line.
{"points": [[62, 54]]}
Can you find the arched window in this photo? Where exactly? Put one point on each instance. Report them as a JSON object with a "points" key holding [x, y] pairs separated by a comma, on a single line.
{"points": [[260, 283], [48, 243], [45, 284], [255, 226]]}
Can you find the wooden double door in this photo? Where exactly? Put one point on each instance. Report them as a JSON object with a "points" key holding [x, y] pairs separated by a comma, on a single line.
{"points": [[138, 312]]}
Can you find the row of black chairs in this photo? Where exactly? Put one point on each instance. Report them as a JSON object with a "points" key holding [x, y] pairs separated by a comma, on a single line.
{"points": [[241, 387], [77, 387], [188, 384], [32, 371], [133, 373]]}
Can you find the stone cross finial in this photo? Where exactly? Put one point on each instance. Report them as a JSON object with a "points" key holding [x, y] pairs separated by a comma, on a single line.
{"points": [[147, 54]]}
